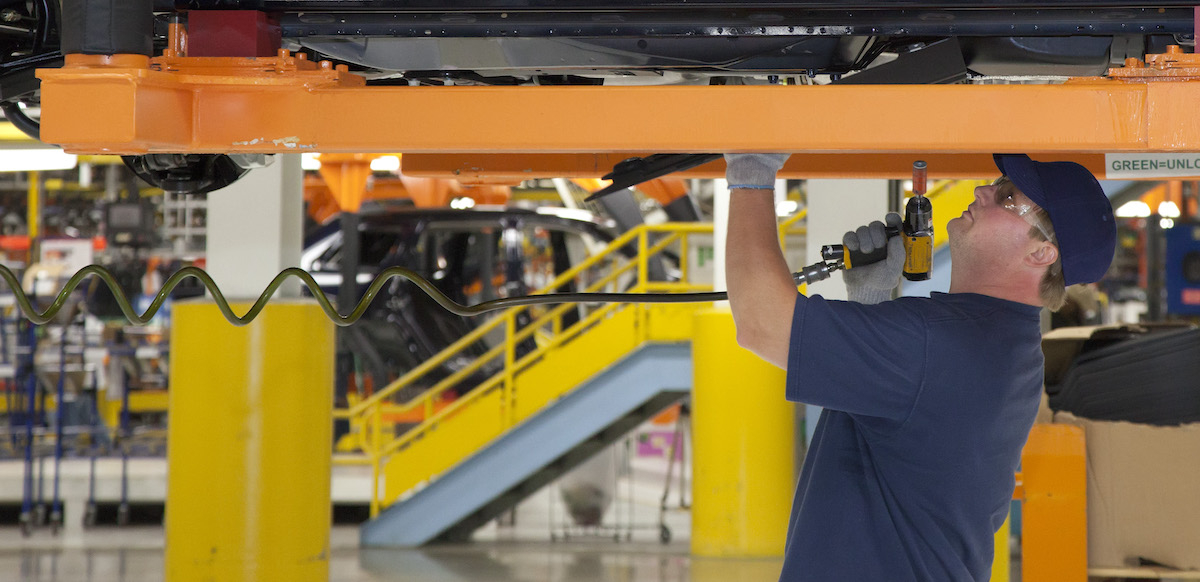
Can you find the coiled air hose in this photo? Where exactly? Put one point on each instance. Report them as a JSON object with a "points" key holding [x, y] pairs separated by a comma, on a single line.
{"points": [[810, 274], [177, 277]]}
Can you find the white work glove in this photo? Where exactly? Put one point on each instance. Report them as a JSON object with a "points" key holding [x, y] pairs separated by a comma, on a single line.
{"points": [[754, 171], [873, 283]]}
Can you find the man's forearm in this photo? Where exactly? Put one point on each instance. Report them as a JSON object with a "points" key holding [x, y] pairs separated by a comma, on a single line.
{"points": [[762, 293]]}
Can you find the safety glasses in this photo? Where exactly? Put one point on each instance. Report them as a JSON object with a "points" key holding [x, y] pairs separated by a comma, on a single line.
{"points": [[1010, 199]]}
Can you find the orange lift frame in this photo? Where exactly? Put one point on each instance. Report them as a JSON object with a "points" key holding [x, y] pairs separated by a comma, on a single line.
{"points": [[287, 104]]}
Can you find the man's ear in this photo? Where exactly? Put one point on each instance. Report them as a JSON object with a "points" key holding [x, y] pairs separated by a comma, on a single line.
{"points": [[1043, 256]]}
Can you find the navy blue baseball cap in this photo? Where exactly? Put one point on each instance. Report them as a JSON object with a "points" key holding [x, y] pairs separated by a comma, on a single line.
{"points": [[1080, 212]]}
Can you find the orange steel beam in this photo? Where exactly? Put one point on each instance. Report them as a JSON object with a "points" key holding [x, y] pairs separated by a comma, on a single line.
{"points": [[284, 104], [483, 168]]}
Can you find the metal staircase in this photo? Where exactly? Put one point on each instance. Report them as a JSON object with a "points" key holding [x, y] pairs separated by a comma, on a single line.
{"points": [[563, 391], [538, 450]]}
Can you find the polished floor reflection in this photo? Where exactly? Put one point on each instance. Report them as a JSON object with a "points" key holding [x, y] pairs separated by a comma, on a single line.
{"points": [[536, 543], [570, 561], [575, 561]]}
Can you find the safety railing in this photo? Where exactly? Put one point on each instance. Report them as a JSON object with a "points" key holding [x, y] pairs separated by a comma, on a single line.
{"points": [[793, 225], [611, 270]]}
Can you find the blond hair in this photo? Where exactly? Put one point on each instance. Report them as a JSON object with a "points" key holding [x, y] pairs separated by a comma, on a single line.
{"points": [[1052, 289]]}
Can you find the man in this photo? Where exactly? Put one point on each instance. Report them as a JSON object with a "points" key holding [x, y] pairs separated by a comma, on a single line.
{"points": [[928, 401]]}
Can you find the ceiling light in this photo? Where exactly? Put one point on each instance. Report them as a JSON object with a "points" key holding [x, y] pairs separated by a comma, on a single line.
{"points": [[310, 161], [29, 160], [386, 164], [1133, 209], [786, 208], [1169, 209]]}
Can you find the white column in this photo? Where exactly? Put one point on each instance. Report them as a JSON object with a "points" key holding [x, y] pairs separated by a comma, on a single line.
{"points": [[835, 207], [721, 197], [255, 230], [720, 231]]}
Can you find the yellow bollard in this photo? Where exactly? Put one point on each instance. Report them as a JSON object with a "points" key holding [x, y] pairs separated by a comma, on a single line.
{"points": [[249, 454], [1054, 505], [1001, 561], [744, 438]]}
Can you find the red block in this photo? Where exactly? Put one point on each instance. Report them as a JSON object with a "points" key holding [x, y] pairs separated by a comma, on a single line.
{"points": [[232, 33]]}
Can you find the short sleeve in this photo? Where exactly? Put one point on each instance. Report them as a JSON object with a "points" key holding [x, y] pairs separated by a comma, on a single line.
{"points": [[860, 359]]}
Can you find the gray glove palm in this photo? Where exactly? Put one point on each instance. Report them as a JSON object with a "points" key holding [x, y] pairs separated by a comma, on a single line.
{"points": [[873, 283], [753, 170]]}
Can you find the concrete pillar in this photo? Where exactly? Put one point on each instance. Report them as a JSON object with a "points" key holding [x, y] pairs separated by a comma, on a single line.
{"points": [[835, 207], [721, 196], [721, 201], [256, 229]]}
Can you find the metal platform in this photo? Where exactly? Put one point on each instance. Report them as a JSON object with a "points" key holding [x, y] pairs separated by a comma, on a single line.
{"points": [[565, 434]]}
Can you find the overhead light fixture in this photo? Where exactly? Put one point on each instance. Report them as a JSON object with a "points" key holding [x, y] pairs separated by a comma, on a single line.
{"points": [[386, 164], [310, 161], [786, 208], [36, 159], [1133, 209], [1168, 209]]}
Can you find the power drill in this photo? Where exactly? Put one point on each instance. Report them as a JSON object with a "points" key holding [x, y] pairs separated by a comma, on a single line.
{"points": [[917, 230]]}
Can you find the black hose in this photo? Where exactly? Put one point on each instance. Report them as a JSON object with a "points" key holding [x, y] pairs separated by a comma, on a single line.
{"points": [[16, 116], [47, 20]]}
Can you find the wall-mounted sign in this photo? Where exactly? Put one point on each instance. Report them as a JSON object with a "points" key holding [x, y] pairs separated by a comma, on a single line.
{"points": [[1142, 166]]}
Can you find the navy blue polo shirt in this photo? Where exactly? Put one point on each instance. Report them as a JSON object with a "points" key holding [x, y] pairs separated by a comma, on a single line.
{"points": [[928, 402]]}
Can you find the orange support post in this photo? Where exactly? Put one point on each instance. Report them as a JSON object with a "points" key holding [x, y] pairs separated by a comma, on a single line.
{"points": [[664, 190], [1053, 488], [346, 175]]}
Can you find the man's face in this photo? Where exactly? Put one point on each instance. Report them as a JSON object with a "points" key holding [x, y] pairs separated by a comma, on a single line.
{"points": [[996, 224]]}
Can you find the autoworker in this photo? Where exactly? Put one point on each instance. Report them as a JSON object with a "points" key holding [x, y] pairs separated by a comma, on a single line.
{"points": [[927, 401]]}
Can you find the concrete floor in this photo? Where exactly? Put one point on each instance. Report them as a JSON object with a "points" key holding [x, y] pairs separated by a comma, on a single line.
{"points": [[531, 548], [135, 555]]}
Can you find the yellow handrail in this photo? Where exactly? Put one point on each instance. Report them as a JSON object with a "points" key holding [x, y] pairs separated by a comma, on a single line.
{"points": [[787, 223], [481, 331], [369, 419], [785, 227]]}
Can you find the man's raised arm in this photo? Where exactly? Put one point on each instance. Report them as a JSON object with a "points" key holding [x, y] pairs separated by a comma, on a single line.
{"points": [[762, 293]]}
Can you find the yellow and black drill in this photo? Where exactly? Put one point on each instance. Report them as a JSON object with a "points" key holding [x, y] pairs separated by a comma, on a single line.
{"points": [[917, 230]]}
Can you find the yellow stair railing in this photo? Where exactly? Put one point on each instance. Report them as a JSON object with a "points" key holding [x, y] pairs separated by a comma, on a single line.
{"points": [[451, 433]]}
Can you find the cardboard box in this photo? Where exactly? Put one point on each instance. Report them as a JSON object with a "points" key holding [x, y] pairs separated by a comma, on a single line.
{"points": [[1143, 492], [1143, 481]]}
